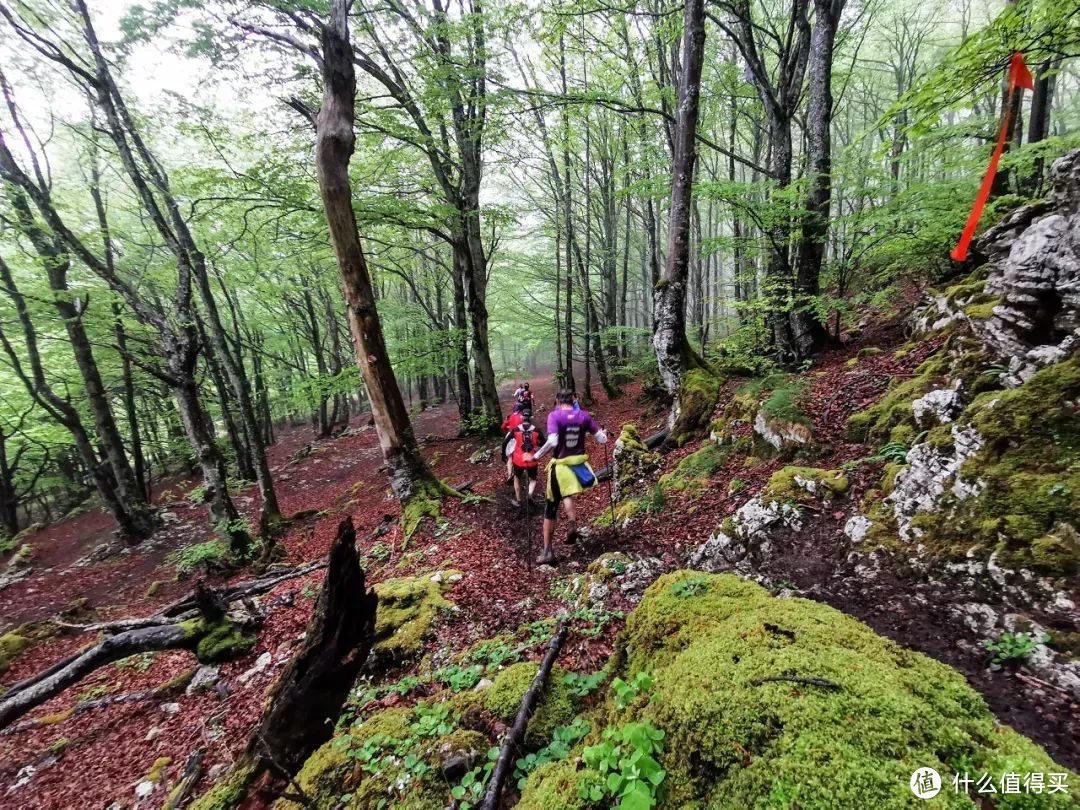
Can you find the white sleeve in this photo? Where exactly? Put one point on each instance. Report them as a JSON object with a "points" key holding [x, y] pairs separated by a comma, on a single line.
{"points": [[550, 444], [510, 445]]}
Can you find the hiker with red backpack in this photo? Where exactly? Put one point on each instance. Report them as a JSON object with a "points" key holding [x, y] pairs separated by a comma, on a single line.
{"points": [[520, 444], [569, 473], [510, 424]]}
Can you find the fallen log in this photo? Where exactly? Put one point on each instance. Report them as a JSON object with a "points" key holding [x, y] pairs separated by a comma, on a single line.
{"points": [[185, 607], [652, 442], [516, 735], [212, 635], [163, 637], [304, 703]]}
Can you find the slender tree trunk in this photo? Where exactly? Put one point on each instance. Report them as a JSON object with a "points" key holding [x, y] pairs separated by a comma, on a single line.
{"points": [[334, 145], [669, 294], [200, 435], [61, 409], [142, 477], [245, 469]]}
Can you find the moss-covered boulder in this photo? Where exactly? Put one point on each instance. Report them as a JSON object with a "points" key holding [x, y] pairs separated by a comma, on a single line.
{"points": [[1019, 494], [769, 702], [801, 484], [556, 706], [408, 610]]}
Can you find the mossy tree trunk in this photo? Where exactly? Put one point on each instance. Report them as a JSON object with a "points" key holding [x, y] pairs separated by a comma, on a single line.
{"points": [[674, 355]]}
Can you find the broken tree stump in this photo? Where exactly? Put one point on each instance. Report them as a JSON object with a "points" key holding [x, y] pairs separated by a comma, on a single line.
{"points": [[307, 698]]}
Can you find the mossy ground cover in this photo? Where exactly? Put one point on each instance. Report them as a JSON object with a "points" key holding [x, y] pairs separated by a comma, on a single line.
{"points": [[408, 610], [397, 757], [694, 471], [804, 484], [739, 733]]}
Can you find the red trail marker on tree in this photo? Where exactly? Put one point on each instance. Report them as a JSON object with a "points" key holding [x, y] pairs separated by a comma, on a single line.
{"points": [[1019, 76]]}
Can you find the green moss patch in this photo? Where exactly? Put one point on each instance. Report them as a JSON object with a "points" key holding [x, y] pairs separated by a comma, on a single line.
{"points": [[787, 703], [223, 642], [1028, 471], [408, 609], [556, 707], [695, 470], [636, 462], [12, 645], [781, 404], [19, 639], [804, 484], [395, 758]]}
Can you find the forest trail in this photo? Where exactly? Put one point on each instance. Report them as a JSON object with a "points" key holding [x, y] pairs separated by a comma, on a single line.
{"points": [[501, 594], [488, 540]]}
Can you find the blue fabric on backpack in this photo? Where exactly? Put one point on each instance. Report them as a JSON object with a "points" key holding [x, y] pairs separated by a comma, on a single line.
{"points": [[584, 475]]}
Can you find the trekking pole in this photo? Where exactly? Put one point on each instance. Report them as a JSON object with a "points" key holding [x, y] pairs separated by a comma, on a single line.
{"points": [[528, 522]]}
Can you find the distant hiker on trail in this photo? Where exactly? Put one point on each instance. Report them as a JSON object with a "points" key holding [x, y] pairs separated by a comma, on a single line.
{"points": [[524, 396], [577, 402], [521, 443], [569, 473], [509, 424]]}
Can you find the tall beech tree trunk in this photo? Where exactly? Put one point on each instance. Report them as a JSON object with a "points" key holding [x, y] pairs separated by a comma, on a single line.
{"points": [[694, 399], [334, 143], [59, 408], [807, 331], [461, 346], [134, 514], [779, 89]]}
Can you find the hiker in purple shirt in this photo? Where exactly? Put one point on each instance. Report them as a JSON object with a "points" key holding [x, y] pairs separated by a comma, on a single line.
{"points": [[566, 431]]}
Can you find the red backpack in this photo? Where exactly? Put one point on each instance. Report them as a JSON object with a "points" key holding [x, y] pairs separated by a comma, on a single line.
{"points": [[525, 442]]}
